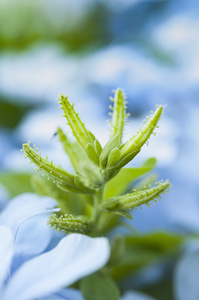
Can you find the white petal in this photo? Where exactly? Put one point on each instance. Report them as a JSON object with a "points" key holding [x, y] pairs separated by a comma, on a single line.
{"points": [[134, 295], [6, 251], [74, 257], [23, 207], [186, 277]]}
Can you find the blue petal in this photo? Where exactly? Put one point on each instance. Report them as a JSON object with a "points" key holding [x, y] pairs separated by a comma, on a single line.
{"points": [[74, 257], [134, 295], [4, 196], [186, 277], [24, 207], [66, 294], [33, 238], [6, 252]]}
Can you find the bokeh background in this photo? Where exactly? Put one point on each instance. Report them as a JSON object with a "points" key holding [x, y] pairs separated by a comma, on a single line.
{"points": [[86, 49]]}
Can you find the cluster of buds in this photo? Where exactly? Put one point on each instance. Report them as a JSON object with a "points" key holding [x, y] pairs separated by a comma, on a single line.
{"points": [[94, 165]]}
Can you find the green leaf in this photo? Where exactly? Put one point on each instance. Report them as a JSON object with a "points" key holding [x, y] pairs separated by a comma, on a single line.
{"points": [[16, 183], [143, 250], [117, 250], [150, 163], [99, 286], [121, 181], [161, 290], [146, 181], [78, 205], [124, 213], [11, 112]]}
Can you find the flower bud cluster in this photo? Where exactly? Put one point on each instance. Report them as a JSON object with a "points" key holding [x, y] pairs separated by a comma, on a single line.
{"points": [[94, 165]]}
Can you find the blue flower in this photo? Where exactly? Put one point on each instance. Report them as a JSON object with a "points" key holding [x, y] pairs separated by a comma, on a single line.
{"points": [[38, 275]]}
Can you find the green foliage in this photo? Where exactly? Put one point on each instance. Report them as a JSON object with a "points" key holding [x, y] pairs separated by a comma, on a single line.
{"points": [[16, 183], [142, 250], [98, 181], [99, 286], [12, 112], [26, 23], [121, 181], [117, 250]]}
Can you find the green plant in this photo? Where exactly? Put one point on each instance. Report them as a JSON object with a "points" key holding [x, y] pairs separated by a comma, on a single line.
{"points": [[92, 198]]}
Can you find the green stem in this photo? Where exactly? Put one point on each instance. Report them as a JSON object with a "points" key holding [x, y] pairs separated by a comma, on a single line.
{"points": [[97, 200]]}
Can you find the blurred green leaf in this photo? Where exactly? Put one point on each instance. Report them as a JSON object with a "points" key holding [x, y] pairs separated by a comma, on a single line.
{"points": [[150, 163], [11, 113], [78, 205], [143, 250], [16, 183], [121, 181], [124, 213], [99, 286], [117, 250], [162, 290], [25, 23]]}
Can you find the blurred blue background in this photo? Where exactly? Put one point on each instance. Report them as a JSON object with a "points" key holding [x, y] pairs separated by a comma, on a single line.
{"points": [[86, 49]]}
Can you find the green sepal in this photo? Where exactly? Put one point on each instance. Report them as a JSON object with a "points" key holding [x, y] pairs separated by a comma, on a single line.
{"points": [[125, 160], [47, 167], [112, 143], [90, 176], [142, 136], [92, 136], [69, 223], [136, 199], [118, 114], [70, 148], [92, 154], [98, 147], [78, 128], [113, 158]]}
